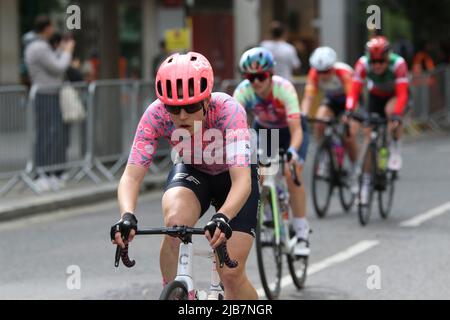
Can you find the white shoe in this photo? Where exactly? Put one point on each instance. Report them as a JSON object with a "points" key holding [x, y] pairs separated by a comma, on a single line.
{"points": [[56, 182], [42, 184], [301, 248], [395, 161]]}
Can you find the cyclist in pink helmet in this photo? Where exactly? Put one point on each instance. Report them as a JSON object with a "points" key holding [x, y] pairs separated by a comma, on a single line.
{"points": [[187, 113]]}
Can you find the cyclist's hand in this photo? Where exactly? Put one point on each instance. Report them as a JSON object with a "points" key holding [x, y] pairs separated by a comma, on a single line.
{"points": [[219, 228], [396, 121], [346, 117], [124, 230]]}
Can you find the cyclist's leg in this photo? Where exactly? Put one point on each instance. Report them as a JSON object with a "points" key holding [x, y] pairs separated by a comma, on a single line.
{"points": [[183, 203], [325, 111], [235, 281], [389, 110], [298, 193], [395, 159]]}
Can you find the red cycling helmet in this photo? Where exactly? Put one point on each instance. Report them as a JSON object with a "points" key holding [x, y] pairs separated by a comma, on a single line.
{"points": [[377, 47], [191, 73]]}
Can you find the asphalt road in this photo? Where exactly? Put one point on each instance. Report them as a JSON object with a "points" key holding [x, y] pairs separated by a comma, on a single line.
{"points": [[37, 254]]}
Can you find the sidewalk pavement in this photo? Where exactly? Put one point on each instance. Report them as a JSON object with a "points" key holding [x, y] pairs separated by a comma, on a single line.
{"points": [[28, 205]]}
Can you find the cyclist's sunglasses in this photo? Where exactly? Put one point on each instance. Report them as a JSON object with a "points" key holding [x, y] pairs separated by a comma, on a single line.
{"points": [[379, 61], [324, 71], [260, 76], [189, 108]]}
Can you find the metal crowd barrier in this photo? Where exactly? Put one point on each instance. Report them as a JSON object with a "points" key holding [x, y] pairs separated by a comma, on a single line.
{"points": [[15, 138]]}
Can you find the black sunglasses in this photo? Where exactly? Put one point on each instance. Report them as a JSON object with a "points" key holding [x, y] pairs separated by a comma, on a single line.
{"points": [[380, 61], [260, 76], [189, 108], [324, 71]]}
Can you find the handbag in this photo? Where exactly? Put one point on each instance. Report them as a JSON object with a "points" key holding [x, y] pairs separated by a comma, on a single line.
{"points": [[72, 109]]}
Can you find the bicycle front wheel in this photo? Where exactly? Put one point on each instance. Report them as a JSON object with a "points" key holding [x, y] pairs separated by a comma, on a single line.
{"points": [[174, 290], [346, 194], [298, 268], [386, 193], [268, 252], [322, 180], [366, 188]]}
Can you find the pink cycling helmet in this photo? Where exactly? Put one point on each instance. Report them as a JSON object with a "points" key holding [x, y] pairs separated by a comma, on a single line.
{"points": [[191, 72]]}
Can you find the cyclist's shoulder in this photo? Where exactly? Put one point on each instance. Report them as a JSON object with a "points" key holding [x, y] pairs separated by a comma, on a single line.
{"points": [[396, 61], [243, 85], [342, 67], [222, 102]]}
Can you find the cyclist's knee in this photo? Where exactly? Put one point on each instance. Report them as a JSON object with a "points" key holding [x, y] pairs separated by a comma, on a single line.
{"points": [[233, 279], [172, 243]]}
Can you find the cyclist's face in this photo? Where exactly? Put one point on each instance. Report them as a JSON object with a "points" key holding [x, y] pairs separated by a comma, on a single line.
{"points": [[185, 120], [325, 75], [379, 66], [260, 82]]}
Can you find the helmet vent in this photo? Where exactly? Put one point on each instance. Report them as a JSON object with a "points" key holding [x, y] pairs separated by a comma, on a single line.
{"points": [[203, 84], [169, 89], [193, 58], [158, 87], [180, 88], [170, 60], [191, 87]]}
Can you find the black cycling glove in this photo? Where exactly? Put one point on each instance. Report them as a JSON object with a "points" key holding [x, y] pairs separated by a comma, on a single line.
{"points": [[219, 220], [127, 223]]}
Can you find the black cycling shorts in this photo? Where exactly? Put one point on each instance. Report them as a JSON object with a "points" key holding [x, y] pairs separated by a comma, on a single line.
{"points": [[377, 104], [335, 103], [213, 189]]}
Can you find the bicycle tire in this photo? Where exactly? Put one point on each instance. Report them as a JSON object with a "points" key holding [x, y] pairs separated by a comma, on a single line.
{"points": [[345, 182], [364, 210], [321, 210], [272, 291], [384, 208], [299, 281], [174, 290]]}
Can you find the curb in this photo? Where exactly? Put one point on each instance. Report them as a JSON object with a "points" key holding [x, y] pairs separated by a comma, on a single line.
{"points": [[69, 199]]}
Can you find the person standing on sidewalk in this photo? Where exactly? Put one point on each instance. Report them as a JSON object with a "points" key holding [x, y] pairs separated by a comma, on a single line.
{"points": [[47, 67], [283, 52]]}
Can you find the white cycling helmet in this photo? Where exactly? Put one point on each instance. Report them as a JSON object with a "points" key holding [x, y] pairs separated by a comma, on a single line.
{"points": [[323, 58]]}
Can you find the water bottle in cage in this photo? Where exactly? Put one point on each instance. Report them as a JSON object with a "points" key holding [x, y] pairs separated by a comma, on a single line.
{"points": [[339, 151], [382, 158]]}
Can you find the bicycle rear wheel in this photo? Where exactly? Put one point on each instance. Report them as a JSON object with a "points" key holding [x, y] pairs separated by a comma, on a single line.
{"points": [[268, 252], [322, 181], [174, 290], [386, 193], [365, 200]]}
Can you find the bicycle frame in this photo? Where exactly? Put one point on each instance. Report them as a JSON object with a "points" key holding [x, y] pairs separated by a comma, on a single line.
{"points": [[270, 182], [185, 273]]}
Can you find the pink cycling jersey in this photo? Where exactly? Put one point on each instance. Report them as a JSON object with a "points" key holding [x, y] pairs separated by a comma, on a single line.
{"points": [[224, 143]]}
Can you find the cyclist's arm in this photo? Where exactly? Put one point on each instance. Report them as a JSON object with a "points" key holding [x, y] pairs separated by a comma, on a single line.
{"points": [[401, 88], [241, 185], [310, 91], [295, 129], [356, 87], [129, 187], [144, 146]]}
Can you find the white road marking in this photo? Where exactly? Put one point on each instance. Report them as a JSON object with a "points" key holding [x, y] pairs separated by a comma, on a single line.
{"points": [[430, 214], [339, 257]]}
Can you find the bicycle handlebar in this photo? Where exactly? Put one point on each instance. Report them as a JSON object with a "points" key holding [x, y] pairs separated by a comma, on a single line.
{"points": [[177, 231]]}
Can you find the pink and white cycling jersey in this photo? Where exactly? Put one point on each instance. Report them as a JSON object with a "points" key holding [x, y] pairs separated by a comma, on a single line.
{"points": [[224, 142]]}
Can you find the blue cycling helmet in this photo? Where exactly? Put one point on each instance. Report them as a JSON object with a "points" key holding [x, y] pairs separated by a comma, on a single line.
{"points": [[256, 60]]}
